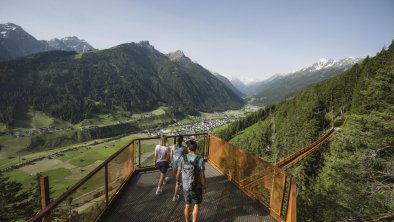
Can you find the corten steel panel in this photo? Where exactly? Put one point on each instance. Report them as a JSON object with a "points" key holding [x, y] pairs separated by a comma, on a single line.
{"points": [[120, 169], [278, 190], [259, 179]]}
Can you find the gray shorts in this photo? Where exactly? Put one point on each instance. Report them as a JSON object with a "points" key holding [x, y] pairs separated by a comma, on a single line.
{"points": [[194, 197]]}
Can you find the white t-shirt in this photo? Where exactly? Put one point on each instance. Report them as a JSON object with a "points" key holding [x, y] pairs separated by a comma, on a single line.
{"points": [[162, 153]]}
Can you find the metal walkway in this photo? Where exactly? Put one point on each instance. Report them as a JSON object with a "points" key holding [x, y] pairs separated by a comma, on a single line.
{"points": [[222, 202]]}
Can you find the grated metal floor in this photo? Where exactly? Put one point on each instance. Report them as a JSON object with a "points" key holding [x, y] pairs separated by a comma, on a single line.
{"points": [[222, 202]]}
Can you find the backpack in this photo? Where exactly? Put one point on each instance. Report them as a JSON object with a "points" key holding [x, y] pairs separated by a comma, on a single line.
{"points": [[190, 179]]}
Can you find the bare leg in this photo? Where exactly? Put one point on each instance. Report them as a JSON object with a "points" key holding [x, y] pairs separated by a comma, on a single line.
{"points": [[162, 175], [176, 184], [176, 189], [187, 212], [196, 209]]}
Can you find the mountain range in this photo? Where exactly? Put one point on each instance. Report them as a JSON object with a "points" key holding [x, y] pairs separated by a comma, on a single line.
{"points": [[278, 87], [179, 57], [350, 176], [228, 83], [16, 42], [133, 77]]}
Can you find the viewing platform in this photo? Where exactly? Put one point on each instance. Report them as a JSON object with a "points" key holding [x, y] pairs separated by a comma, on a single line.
{"points": [[240, 187], [222, 202]]}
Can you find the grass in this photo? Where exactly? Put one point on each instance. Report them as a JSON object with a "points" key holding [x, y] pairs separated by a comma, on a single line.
{"points": [[159, 111], [120, 116], [149, 145], [29, 182], [220, 128], [19, 176], [14, 141], [85, 157], [61, 178], [78, 56], [3, 127], [40, 120], [11, 145], [57, 181]]}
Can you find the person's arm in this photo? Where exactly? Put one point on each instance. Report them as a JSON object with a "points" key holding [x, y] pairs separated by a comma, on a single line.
{"points": [[155, 155], [203, 181], [178, 174], [202, 175]]}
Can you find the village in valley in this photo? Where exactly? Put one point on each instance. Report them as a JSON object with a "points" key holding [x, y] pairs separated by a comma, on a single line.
{"points": [[192, 128]]}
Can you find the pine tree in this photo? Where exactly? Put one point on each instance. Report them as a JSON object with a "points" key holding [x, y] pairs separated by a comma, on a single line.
{"points": [[15, 203]]}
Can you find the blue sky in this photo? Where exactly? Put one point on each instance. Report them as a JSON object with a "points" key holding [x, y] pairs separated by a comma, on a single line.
{"points": [[244, 39]]}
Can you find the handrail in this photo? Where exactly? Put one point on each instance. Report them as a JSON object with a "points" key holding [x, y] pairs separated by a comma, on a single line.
{"points": [[294, 156], [269, 189], [66, 194], [81, 182], [277, 179]]}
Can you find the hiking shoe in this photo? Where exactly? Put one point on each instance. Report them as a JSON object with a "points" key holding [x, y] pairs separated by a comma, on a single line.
{"points": [[175, 198], [165, 180], [159, 191]]}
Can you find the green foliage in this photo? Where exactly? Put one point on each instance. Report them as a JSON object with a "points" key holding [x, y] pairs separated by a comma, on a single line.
{"points": [[58, 182], [130, 77], [282, 87], [261, 144], [16, 204], [245, 122], [350, 178]]}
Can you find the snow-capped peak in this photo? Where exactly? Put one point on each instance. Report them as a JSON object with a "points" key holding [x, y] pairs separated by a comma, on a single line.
{"points": [[245, 80], [72, 38], [178, 54], [323, 63], [6, 28], [76, 44]]}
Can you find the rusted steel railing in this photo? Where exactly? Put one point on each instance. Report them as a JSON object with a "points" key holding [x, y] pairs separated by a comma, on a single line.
{"points": [[88, 199], [269, 186]]}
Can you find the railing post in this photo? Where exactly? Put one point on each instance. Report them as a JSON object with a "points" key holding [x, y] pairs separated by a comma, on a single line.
{"points": [[44, 187], [203, 146], [291, 213], [44, 184], [106, 185], [207, 145], [139, 153]]}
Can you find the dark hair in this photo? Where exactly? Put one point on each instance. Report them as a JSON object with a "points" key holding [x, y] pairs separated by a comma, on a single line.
{"points": [[192, 145], [179, 140]]}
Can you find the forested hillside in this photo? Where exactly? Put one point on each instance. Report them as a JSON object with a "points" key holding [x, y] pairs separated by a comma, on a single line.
{"points": [[131, 77], [284, 86], [352, 176]]}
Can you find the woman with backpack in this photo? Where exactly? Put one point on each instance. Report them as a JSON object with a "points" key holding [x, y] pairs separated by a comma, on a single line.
{"points": [[176, 152], [162, 161]]}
